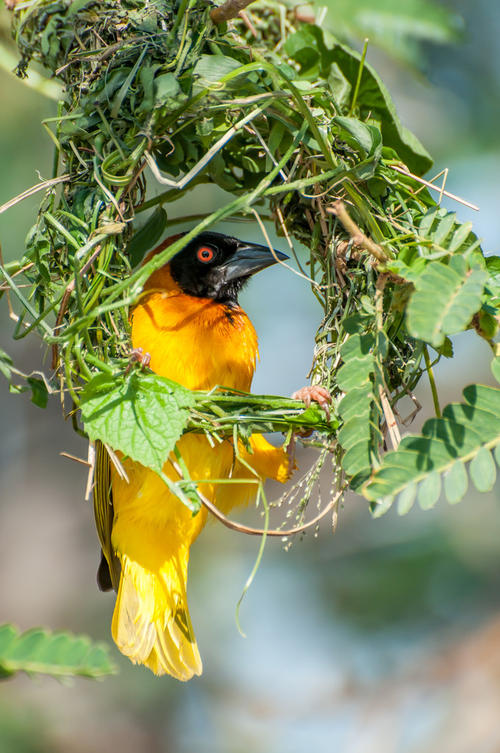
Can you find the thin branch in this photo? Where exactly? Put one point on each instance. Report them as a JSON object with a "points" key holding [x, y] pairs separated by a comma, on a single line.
{"points": [[229, 9], [234, 526], [246, 20], [358, 237]]}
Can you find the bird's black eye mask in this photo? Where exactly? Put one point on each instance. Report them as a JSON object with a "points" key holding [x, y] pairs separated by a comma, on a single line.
{"points": [[197, 268], [217, 266]]}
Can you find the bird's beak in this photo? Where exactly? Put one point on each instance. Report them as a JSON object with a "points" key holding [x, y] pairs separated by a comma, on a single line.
{"points": [[249, 259]]}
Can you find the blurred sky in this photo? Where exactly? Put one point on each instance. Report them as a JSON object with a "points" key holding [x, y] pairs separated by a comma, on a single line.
{"points": [[382, 638]]}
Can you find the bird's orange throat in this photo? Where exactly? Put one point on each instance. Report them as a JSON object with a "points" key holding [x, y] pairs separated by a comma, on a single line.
{"points": [[197, 342]]}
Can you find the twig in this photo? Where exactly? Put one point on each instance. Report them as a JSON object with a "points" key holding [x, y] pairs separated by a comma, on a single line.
{"points": [[358, 237], [229, 9], [234, 526], [246, 20]]}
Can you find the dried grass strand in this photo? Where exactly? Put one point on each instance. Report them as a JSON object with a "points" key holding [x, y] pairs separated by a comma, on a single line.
{"points": [[34, 189], [439, 189]]}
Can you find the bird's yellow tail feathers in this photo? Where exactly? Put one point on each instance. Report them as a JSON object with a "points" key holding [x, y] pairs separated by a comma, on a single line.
{"points": [[151, 623]]}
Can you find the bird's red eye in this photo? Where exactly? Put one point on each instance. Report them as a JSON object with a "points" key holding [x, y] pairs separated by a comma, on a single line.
{"points": [[205, 254]]}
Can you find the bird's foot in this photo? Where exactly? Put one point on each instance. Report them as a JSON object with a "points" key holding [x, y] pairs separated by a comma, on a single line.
{"points": [[137, 355], [314, 393]]}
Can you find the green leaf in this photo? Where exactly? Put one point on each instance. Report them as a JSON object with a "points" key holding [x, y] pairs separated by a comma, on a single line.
{"points": [[381, 507], [357, 402], [456, 482], [446, 349], [445, 300], [495, 368], [440, 231], [465, 431], [142, 415], [359, 435], [6, 364], [429, 491], [307, 47], [483, 471], [167, 92], [357, 457], [377, 101], [39, 393], [357, 346], [353, 373], [358, 362], [406, 499], [493, 284], [366, 138], [38, 651], [355, 430], [210, 69], [145, 239]]}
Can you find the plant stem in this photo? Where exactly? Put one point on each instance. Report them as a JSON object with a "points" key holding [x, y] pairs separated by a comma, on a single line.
{"points": [[358, 80], [432, 382]]}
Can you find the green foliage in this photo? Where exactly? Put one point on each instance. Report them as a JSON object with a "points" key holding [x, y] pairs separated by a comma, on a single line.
{"points": [[290, 123], [61, 655], [445, 300], [6, 364], [374, 102], [147, 237], [468, 431], [359, 436], [143, 417]]}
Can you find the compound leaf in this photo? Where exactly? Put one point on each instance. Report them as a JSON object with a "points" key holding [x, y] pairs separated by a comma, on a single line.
{"points": [[39, 651], [467, 431], [446, 298]]}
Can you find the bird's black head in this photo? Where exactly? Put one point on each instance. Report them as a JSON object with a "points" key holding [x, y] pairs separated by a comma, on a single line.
{"points": [[216, 266]]}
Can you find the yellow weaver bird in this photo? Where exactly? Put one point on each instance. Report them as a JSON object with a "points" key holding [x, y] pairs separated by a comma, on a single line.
{"points": [[189, 322]]}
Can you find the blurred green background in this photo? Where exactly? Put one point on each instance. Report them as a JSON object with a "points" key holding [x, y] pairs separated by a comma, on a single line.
{"points": [[382, 638]]}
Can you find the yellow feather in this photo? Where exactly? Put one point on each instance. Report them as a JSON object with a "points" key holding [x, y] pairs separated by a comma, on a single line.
{"points": [[200, 344]]}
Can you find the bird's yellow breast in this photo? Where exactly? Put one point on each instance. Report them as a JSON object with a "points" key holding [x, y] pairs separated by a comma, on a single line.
{"points": [[196, 341]]}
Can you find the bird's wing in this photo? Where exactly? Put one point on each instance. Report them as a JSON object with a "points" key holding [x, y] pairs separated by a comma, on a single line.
{"points": [[108, 574]]}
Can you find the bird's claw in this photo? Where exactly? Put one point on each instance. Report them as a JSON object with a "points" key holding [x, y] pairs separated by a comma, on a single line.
{"points": [[137, 355], [314, 393]]}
